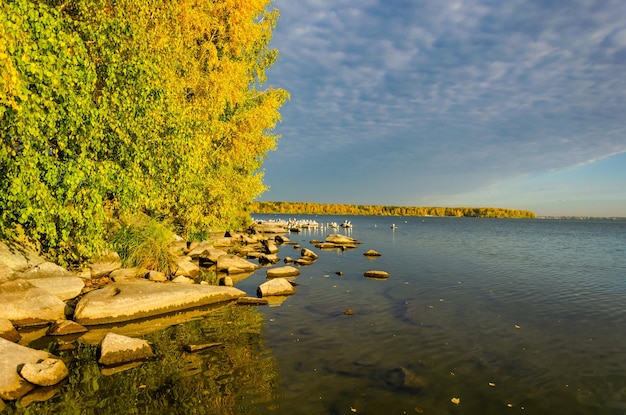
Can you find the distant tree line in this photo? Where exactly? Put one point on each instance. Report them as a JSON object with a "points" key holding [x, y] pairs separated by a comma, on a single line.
{"points": [[376, 210]]}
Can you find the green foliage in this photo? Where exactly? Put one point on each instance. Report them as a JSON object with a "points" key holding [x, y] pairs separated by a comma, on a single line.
{"points": [[139, 106], [145, 244], [342, 209]]}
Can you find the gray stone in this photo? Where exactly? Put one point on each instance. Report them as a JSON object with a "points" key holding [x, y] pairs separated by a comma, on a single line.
{"points": [[47, 372], [276, 286], [27, 305], [124, 274], [266, 259], [116, 349], [371, 253], [282, 272], [157, 276], [12, 385], [130, 300]]}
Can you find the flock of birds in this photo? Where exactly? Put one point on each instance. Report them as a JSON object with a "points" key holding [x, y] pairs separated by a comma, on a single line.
{"points": [[295, 225]]}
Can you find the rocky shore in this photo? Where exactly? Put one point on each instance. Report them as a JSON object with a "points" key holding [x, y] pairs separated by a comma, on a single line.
{"points": [[37, 293]]}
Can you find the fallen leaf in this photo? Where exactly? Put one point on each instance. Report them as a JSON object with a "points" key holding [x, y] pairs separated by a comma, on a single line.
{"points": [[455, 401], [510, 405], [518, 327], [352, 409], [492, 384]]}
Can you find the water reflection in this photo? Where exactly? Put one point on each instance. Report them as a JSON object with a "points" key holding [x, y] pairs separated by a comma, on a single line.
{"points": [[234, 377]]}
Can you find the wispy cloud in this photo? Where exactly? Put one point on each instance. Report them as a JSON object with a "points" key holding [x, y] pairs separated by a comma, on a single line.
{"points": [[464, 90]]}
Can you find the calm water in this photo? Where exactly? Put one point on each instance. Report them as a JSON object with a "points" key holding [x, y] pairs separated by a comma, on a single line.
{"points": [[509, 316]]}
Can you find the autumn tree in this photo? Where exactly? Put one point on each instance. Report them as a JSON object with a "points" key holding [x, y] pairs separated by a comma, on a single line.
{"points": [[150, 106]]}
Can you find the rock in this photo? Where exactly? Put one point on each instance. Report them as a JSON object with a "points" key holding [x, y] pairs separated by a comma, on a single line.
{"points": [[371, 252], [182, 280], [281, 239], [226, 282], [227, 261], [12, 385], [186, 268], [304, 261], [403, 378], [307, 253], [192, 348], [252, 301], [156, 276], [8, 332], [27, 305], [64, 288], [46, 372], [377, 274], [41, 394], [225, 242], [270, 246], [124, 274], [339, 239], [65, 327], [130, 300], [210, 256], [269, 227], [116, 349], [270, 259], [103, 269], [327, 245], [288, 260], [283, 272], [276, 286]]}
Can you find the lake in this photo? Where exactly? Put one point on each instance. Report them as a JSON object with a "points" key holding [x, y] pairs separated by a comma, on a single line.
{"points": [[479, 316]]}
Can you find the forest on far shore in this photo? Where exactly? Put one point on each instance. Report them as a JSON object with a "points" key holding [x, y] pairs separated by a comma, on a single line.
{"points": [[376, 210]]}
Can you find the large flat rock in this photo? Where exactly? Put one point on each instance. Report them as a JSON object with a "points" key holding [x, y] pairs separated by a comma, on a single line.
{"points": [[131, 300], [25, 304]]}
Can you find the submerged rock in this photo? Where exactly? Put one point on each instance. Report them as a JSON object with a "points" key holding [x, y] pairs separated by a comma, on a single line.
{"points": [[116, 349], [371, 253]]}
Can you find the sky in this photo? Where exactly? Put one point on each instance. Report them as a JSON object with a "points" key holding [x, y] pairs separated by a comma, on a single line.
{"points": [[517, 104]]}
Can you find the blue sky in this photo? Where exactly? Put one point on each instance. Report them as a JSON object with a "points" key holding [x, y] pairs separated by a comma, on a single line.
{"points": [[517, 103]]}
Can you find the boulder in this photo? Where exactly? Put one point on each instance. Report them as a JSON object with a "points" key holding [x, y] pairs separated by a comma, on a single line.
{"points": [[283, 272], [186, 268], [103, 269], [371, 253], [377, 274], [130, 300], [226, 262], [156, 276], [27, 305], [210, 255], [339, 239], [307, 253], [275, 286], [65, 327], [183, 280], [116, 349], [270, 246], [270, 227], [281, 239], [303, 261], [7, 331], [268, 259], [63, 287], [226, 282], [12, 385], [46, 372]]}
